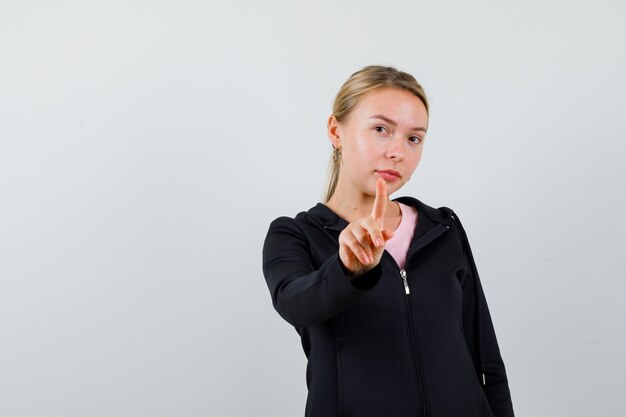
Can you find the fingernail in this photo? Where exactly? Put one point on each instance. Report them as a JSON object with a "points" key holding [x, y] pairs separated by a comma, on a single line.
{"points": [[378, 243]]}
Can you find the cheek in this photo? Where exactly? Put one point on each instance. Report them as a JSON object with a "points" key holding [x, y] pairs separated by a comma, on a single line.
{"points": [[419, 157], [415, 159], [365, 148]]}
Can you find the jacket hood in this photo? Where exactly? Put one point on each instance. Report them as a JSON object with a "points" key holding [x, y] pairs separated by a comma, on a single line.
{"points": [[320, 213]]}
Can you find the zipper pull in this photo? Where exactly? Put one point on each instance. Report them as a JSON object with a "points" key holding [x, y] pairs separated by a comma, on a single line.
{"points": [[406, 284]]}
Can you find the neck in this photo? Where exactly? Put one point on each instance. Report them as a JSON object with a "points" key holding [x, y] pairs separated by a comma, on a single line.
{"points": [[351, 204]]}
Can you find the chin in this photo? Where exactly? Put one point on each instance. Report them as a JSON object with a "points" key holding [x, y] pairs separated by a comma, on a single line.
{"points": [[392, 188]]}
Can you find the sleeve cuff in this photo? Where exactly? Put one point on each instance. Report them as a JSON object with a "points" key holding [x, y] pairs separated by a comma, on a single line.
{"points": [[364, 281]]}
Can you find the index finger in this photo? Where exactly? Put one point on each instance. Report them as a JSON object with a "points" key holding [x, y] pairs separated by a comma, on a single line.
{"points": [[380, 202]]}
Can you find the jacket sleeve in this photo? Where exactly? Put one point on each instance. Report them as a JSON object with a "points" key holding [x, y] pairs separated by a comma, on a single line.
{"points": [[303, 294], [481, 338]]}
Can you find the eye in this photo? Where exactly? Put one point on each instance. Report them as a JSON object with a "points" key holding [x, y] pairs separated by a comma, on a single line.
{"points": [[379, 129], [415, 139]]}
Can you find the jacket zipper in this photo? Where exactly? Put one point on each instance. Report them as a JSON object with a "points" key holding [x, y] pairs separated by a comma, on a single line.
{"points": [[413, 337], [413, 342], [406, 284]]}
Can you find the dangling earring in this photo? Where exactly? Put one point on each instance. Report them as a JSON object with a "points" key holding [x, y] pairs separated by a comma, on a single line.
{"points": [[336, 155]]}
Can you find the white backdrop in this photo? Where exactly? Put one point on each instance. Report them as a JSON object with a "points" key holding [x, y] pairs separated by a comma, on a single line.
{"points": [[146, 146]]}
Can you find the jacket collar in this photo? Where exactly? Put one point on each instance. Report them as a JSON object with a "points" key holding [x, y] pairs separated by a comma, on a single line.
{"points": [[321, 214]]}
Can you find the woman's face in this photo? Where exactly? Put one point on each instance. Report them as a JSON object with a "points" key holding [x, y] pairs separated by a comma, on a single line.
{"points": [[383, 136]]}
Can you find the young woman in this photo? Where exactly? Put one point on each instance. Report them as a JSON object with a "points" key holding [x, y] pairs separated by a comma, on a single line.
{"points": [[384, 293]]}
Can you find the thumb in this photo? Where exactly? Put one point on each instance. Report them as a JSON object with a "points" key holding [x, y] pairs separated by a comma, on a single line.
{"points": [[387, 234]]}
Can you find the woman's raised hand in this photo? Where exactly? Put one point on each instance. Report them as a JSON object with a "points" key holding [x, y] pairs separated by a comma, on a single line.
{"points": [[362, 242]]}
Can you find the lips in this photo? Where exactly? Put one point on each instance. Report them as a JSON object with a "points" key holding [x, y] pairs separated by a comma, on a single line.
{"points": [[389, 175]]}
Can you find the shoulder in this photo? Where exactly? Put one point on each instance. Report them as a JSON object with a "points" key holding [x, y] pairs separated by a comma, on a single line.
{"points": [[298, 223], [285, 224], [317, 217], [306, 232]]}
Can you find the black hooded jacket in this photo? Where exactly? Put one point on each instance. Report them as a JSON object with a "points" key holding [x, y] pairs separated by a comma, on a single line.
{"points": [[375, 345]]}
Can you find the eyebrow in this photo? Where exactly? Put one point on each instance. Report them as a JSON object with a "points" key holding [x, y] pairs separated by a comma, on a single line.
{"points": [[388, 120]]}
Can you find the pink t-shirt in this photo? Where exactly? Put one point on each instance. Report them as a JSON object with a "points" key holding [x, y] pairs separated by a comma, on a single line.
{"points": [[398, 245]]}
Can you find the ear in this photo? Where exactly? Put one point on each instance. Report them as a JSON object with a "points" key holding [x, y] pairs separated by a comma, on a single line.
{"points": [[334, 131]]}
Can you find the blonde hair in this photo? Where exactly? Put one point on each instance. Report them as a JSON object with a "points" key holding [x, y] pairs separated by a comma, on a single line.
{"points": [[353, 90]]}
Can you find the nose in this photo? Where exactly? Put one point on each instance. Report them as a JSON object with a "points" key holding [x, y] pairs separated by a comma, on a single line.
{"points": [[395, 150]]}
